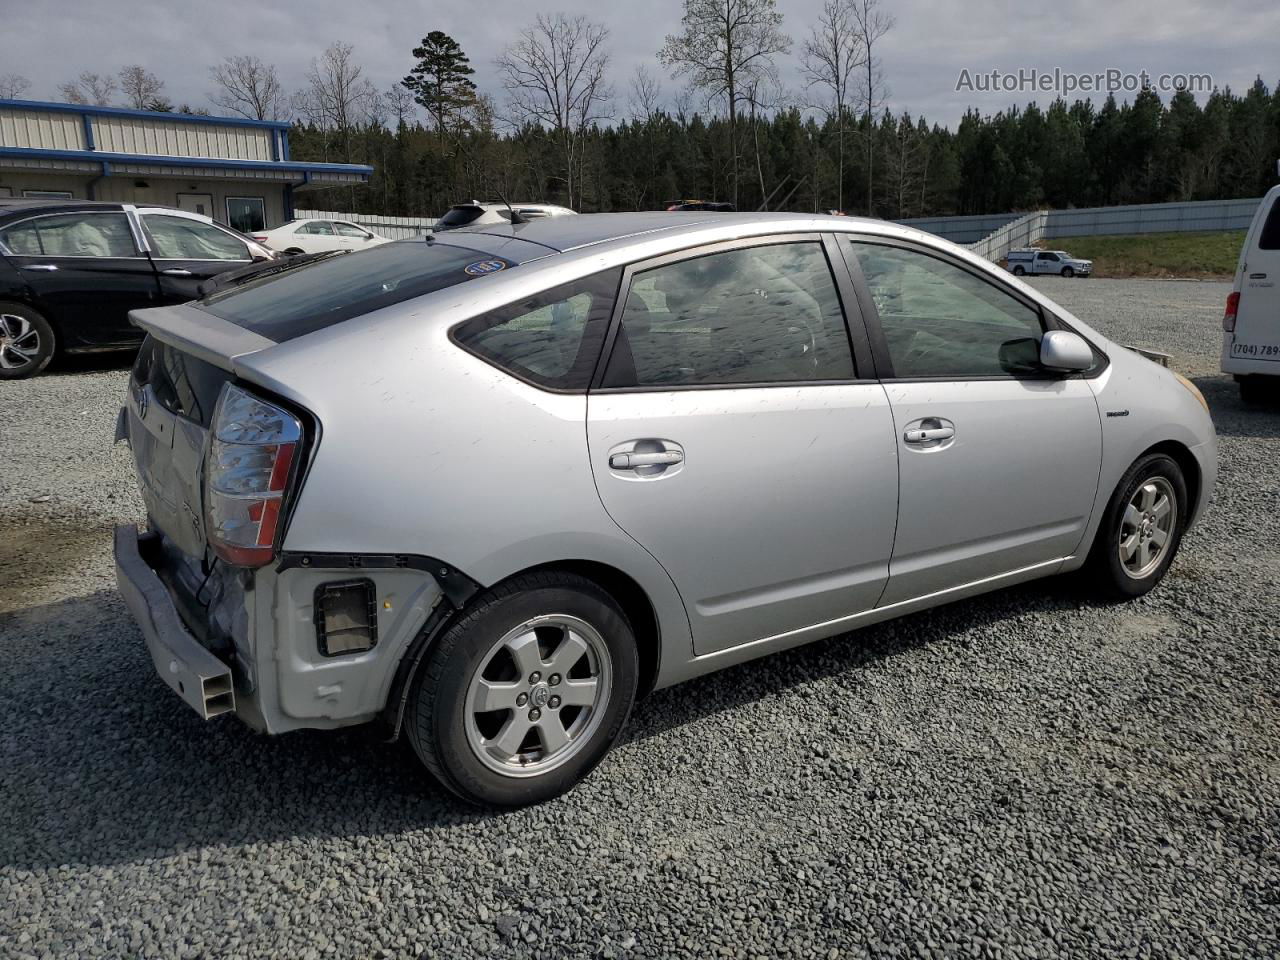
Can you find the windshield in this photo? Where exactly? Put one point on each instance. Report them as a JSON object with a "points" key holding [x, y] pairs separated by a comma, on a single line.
{"points": [[296, 303]]}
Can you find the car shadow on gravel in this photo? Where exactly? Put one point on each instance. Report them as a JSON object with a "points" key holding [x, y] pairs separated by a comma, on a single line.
{"points": [[1232, 417], [101, 764], [72, 363]]}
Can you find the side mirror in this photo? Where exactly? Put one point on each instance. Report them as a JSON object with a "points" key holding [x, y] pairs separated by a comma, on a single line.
{"points": [[1065, 351]]}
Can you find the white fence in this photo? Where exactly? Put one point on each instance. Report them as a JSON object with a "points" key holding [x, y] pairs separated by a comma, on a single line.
{"points": [[397, 228], [1007, 231]]}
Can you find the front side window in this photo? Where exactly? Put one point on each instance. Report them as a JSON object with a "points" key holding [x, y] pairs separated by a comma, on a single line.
{"points": [[761, 314], [552, 338], [71, 235], [247, 214], [939, 320], [177, 238]]}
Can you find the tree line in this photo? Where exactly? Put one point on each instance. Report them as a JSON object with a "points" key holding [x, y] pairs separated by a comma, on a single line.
{"points": [[723, 128]]}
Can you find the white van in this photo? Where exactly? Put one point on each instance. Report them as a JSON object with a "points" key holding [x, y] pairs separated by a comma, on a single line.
{"points": [[1251, 324]]}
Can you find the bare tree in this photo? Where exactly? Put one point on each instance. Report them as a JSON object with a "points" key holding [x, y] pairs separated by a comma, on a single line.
{"points": [[248, 88], [400, 104], [554, 75], [646, 93], [139, 86], [871, 24], [13, 86], [91, 89], [337, 96], [831, 55], [723, 44]]}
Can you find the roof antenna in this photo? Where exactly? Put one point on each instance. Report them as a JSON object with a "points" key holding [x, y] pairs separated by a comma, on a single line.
{"points": [[515, 217]]}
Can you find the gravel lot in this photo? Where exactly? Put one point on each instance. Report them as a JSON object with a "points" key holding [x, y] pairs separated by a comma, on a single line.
{"points": [[1025, 774]]}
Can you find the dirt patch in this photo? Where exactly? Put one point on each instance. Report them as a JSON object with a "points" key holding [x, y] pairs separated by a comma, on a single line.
{"points": [[36, 550]]}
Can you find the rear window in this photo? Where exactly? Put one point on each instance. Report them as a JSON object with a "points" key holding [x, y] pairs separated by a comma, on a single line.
{"points": [[327, 292], [461, 216], [1270, 239]]}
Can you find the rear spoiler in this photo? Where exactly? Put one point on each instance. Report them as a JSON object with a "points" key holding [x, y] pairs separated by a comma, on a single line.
{"points": [[200, 334]]}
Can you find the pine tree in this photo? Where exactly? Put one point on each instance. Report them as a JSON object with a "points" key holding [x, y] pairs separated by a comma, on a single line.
{"points": [[440, 80]]}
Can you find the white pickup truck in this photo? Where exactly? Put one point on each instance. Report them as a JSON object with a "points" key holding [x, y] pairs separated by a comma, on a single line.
{"points": [[1058, 262]]}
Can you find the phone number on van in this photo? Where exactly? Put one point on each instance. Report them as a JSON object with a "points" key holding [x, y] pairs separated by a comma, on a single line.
{"points": [[1259, 350]]}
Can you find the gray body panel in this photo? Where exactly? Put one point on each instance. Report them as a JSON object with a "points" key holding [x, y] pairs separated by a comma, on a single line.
{"points": [[782, 525]]}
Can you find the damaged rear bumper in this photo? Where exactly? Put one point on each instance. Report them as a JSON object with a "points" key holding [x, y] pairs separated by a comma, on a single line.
{"points": [[202, 680]]}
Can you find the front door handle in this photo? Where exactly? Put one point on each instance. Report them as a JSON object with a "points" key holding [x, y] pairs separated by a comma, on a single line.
{"points": [[176, 272], [929, 434], [629, 461], [42, 266]]}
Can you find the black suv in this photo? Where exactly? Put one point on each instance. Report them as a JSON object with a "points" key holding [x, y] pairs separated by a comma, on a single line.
{"points": [[71, 270]]}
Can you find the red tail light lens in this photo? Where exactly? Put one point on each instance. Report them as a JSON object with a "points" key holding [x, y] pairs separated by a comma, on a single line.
{"points": [[1229, 317], [251, 456], [260, 239]]}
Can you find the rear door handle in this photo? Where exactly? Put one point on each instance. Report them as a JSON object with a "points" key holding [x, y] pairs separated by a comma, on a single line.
{"points": [[42, 266], [629, 461], [176, 272], [929, 434]]}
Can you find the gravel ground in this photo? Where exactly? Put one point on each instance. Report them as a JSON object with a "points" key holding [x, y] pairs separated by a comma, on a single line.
{"points": [[1026, 774]]}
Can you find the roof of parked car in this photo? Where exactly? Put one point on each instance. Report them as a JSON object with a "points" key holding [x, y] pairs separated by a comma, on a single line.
{"points": [[570, 233], [25, 204]]}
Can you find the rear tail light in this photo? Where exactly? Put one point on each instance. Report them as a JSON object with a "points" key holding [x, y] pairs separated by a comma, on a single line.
{"points": [[251, 456], [1229, 317], [258, 239]]}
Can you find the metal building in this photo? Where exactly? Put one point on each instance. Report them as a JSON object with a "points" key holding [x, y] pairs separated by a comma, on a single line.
{"points": [[236, 171]]}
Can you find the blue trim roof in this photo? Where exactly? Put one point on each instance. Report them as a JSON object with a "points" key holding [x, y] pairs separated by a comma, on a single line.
{"points": [[100, 156], [146, 114]]}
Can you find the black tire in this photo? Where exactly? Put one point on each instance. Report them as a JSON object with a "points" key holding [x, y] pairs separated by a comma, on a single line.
{"points": [[1108, 573], [294, 252], [1257, 390], [1019, 272], [1068, 272], [436, 718], [20, 328]]}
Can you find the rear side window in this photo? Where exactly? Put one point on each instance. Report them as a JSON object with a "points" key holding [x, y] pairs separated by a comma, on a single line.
{"points": [[761, 314], [553, 338], [330, 291], [71, 235], [1270, 239], [461, 216]]}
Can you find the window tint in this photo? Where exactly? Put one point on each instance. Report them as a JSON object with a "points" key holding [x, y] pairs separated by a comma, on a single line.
{"points": [[348, 230], [177, 238], [941, 321], [317, 227], [320, 294], [1270, 238], [72, 235], [766, 314], [553, 338]]}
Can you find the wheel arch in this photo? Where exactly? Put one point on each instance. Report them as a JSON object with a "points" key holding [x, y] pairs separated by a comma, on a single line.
{"points": [[1187, 463]]}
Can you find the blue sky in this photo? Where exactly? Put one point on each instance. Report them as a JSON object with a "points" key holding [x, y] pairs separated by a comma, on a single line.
{"points": [[1233, 40]]}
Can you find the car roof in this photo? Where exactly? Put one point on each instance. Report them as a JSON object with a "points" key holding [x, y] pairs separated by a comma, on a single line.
{"points": [[12, 205], [571, 233]]}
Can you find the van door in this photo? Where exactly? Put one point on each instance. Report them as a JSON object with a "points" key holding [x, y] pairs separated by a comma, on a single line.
{"points": [[1257, 333]]}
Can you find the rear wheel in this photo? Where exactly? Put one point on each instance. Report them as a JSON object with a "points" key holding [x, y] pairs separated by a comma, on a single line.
{"points": [[26, 342], [294, 252], [1256, 389], [520, 699], [1019, 272], [1141, 529], [1068, 272]]}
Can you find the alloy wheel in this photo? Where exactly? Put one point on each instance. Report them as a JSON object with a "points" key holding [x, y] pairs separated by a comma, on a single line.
{"points": [[19, 342], [538, 695], [1146, 528]]}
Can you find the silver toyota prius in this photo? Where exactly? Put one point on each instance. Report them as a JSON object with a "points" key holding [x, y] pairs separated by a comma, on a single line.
{"points": [[488, 488]]}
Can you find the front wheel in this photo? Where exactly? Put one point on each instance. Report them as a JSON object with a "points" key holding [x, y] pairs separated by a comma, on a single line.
{"points": [[520, 699], [1068, 272], [1141, 528]]}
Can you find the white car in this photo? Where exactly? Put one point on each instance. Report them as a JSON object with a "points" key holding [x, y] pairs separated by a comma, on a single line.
{"points": [[319, 236], [1056, 262], [1251, 324], [473, 213]]}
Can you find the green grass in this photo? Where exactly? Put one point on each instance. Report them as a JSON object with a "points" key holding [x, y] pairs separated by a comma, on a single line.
{"points": [[1200, 255]]}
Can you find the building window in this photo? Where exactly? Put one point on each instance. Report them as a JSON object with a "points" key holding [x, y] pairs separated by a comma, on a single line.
{"points": [[247, 214], [48, 194]]}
